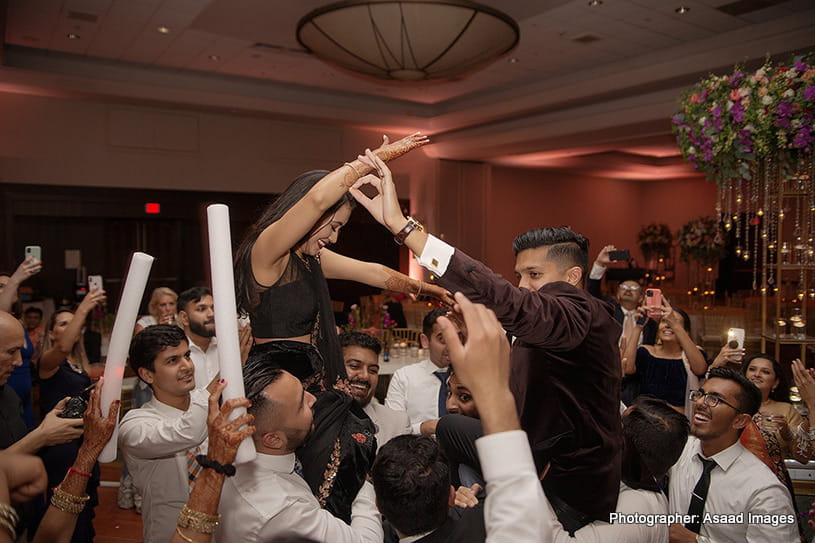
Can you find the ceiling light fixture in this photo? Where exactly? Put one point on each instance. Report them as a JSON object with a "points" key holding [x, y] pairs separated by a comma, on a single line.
{"points": [[682, 10], [594, 3], [513, 60], [162, 30], [408, 40], [214, 57], [73, 36]]}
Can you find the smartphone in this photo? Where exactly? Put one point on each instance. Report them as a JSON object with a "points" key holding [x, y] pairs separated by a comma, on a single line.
{"points": [[653, 297], [621, 255], [95, 282], [35, 251], [735, 340]]}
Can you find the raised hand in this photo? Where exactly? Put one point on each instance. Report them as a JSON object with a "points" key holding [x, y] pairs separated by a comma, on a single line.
{"points": [[91, 300], [226, 436], [388, 151], [805, 382], [98, 428], [384, 207], [603, 258], [28, 267]]}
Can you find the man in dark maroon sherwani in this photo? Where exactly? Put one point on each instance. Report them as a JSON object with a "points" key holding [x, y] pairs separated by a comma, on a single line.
{"points": [[565, 362]]}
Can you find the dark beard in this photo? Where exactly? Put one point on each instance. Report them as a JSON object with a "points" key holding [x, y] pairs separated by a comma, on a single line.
{"points": [[201, 330]]}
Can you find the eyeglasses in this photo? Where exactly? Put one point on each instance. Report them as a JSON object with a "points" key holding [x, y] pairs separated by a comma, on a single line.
{"points": [[629, 287], [710, 400]]}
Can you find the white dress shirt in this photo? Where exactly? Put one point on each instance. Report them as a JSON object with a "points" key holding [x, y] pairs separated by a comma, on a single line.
{"points": [[266, 498], [154, 440], [517, 510], [206, 363], [389, 422], [740, 484], [415, 390]]}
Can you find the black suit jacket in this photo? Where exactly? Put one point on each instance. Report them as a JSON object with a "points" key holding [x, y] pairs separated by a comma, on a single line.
{"points": [[461, 526], [565, 376]]}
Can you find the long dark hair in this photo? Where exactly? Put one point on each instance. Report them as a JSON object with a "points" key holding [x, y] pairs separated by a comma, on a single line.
{"points": [[782, 391], [245, 287]]}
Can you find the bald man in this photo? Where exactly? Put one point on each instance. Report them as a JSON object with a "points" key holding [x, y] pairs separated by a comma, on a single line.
{"points": [[53, 429]]}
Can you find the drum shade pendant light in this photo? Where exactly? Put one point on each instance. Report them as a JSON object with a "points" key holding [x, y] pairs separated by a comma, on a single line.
{"points": [[408, 40]]}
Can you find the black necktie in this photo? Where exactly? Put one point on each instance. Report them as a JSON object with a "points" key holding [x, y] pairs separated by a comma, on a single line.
{"points": [[442, 375], [697, 499]]}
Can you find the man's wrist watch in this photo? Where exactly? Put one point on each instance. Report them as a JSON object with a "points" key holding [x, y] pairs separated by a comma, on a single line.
{"points": [[412, 224]]}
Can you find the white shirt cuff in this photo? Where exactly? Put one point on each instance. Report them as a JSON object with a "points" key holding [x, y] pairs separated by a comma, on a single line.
{"points": [[504, 454], [436, 255], [597, 271]]}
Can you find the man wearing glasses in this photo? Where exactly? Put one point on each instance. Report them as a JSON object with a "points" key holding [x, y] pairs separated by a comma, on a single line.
{"points": [[721, 490]]}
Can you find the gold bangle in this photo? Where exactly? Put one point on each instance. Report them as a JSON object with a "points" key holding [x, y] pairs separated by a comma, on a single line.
{"points": [[353, 168], [8, 513], [185, 538], [68, 503], [419, 292], [9, 527], [198, 521]]}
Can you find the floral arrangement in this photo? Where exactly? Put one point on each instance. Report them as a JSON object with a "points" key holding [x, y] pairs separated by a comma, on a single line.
{"points": [[387, 321], [727, 123], [701, 239], [655, 240], [355, 321]]}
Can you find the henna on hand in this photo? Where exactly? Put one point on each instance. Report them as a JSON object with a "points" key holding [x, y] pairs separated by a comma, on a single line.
{"points": [[399, 148], [399, 282]]}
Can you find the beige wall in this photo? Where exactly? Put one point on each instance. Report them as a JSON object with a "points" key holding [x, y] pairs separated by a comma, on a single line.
{"points": [[45, 140]]}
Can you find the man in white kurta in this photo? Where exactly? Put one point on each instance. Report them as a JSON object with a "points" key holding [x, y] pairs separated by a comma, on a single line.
{"points": [[156, 438]]}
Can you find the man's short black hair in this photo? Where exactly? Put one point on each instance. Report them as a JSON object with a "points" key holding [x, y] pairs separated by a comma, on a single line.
{"points": [[412, 483], [749, 396], [147, 344], [431, 318], [192, 295], [257, 375], [566, 247], [658, 432], [358, 339], [32, 309]]}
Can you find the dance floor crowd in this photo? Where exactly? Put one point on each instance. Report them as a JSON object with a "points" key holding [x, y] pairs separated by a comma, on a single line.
{"points": [[542, 412]]}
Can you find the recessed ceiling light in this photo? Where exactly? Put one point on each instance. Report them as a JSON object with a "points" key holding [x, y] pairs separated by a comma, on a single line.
{"points": [[73, 36], [162, 30], [593, 3], [513, 60], [682, 9], [214, 57]]}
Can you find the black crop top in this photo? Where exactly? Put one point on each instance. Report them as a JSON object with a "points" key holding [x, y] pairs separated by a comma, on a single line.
{"points": [[289, 307]]}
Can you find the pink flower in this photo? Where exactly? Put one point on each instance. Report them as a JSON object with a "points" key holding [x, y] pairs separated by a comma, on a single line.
{"points": [[359, 437], [734, 95]]}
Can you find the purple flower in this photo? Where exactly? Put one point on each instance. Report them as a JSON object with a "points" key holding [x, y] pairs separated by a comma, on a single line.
{"points": [[803, 137], [784, 109], [737, 112], [783, 122], [800, 66], [677, 119], [809, 93], [736, 78]]}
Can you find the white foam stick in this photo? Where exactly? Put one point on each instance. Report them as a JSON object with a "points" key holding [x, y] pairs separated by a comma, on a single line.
{"points": [[119, 346], [226, 311]]}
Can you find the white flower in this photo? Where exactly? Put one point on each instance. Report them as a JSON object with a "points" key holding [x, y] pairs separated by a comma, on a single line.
{"points": [[729, 105], [749, 127], [796, 123], [702, 120], [789, 93], [744, 91], [767, 100], [691, 150], [760, 72]]}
